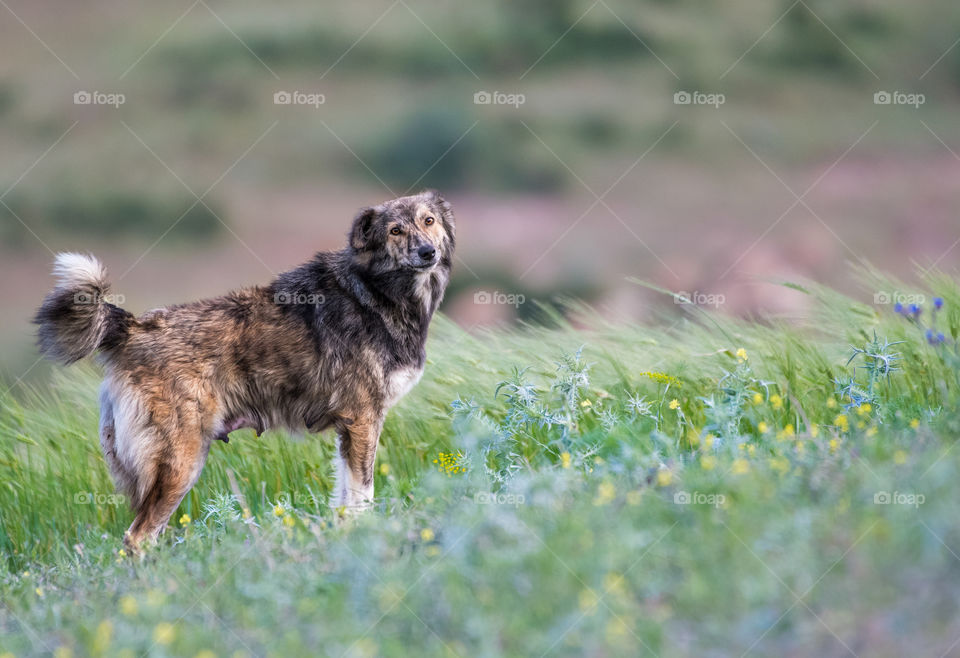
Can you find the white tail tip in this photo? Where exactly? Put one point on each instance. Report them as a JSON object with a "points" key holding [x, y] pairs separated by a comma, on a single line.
{"points": [[72, 269]]}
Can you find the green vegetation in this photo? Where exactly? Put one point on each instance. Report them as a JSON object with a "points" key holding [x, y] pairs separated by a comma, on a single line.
{"points": [[723, 486]]}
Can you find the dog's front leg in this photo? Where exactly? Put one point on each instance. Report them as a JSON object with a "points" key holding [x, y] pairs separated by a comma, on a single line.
{"points": [[357, 450]]}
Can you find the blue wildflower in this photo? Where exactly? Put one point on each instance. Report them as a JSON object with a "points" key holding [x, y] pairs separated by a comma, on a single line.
{"points": [[938, 303], [940, 337], [898, 308], [931, 337], [915, 310]]}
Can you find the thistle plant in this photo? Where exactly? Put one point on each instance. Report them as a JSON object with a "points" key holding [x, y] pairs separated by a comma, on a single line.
{"points": [[878, 362]]}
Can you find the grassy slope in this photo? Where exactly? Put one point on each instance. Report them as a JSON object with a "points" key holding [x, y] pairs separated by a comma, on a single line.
{"points": [[587, 550]]}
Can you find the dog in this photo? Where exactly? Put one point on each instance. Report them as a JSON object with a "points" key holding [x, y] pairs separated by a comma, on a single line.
{"points": [[335, 343]]}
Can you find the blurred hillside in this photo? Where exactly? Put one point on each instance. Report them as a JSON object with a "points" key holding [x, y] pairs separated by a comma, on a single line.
{"points": [[177, 165]]}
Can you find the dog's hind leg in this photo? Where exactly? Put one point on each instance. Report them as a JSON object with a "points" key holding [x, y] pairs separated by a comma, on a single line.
{"points": [[124, 480], [177, 470], [357, 450]]}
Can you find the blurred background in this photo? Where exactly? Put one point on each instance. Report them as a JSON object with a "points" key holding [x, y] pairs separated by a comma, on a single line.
{"points": [[200, 146]]}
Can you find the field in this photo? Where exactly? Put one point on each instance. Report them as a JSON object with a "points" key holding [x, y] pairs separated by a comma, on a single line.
{"points": [[699, 486]]}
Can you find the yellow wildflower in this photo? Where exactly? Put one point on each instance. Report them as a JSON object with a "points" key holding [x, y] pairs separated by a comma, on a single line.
{"points": [[674, 403], [664, 477], [757, 398], [864, 409], [708, 441], [278, 510], [872, 431], [606, 492], [661, 378], [800, 447], [834, 443], [289, 521], [831, 403], [786, 432], [751, 449], [900, 457], [163, 633], [39, 592], [565, 459], [814, 430], [762, 427], [384, 469], [708, 462], [586, 403], [842, 422], [740, 466], [247, 515], [128, 606], [741, 354], [915, 423], [780, 464], [185, 519], [427, 535], [776, 401], [588, 600]]}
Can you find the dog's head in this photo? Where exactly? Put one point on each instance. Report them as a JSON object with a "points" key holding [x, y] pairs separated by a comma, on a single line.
{"points": [[413, 233]]}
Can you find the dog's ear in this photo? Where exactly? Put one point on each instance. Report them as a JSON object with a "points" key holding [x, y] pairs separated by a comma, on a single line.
{"points": [[362, 228]]}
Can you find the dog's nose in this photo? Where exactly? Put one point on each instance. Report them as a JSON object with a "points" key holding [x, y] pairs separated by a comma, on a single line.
{"points": [[426, 252]]}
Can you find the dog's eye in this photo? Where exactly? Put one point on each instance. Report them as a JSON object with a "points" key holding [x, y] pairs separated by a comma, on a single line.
{"points": [[429, 220], [395, 230]]}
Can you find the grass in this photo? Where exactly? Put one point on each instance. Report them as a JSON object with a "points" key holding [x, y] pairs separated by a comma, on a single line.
{"points": [[718, 487]]}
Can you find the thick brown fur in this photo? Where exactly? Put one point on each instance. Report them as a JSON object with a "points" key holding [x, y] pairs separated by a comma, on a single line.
{"points": [[335, 342]]}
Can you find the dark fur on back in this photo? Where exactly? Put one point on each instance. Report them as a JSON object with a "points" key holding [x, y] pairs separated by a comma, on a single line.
{"points": [[333, 342]]}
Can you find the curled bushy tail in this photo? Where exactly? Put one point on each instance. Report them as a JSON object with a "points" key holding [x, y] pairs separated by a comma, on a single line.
{"points": [[76, 317]]}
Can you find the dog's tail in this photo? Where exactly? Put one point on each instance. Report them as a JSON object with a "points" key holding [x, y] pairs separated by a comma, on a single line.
{"points": [[76, 317]]}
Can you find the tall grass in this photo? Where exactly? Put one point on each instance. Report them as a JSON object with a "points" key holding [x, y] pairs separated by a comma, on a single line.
{"points": [[722, 485]]}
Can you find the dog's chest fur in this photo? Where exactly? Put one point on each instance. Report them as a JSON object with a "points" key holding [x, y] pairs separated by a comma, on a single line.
{"points": [[399, 382]]}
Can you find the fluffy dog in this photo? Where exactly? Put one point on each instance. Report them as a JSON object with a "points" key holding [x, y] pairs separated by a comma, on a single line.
{"points": [[333, 343]]}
